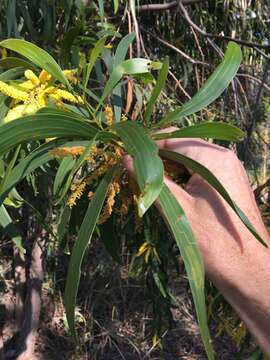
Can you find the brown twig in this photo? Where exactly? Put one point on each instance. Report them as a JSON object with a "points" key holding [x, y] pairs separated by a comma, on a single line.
{"points": [[253, 78], [166, 6], [215, 36], [184, 55], [179, 85]]}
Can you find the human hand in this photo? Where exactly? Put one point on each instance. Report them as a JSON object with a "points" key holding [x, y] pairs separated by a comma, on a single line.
{"points": [[234, 260]]}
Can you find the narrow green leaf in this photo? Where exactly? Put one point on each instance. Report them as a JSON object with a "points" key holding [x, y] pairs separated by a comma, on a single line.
{"points": [[119, 57], [37, 158], [160, 83], [84, 238], [8, 226], [76, 165], [210, 130], [9, 168], [190, 252], [122, 48], [63, 227], [93, 58], [212, 180], [212, 88], [115, 5], [147, 164], [37, 55], [12, 62], [62, 174], [43, 125], [129, 67]]}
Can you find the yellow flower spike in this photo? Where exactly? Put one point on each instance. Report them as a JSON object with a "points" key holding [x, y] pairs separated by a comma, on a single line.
{"points": [[109, 114], [113, 190], [65, 95], [13, 92], [27, 85], [32, 77], [41, 100], [142, 248], [19, 111], [77, 191], [70, 75], [44, 77], [67, 151]]}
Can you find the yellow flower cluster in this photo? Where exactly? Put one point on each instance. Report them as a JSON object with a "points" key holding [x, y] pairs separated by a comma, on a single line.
{"points": [[109, 115], [77, 191], [13, 92], [113, 190], [146, 248], [109, 160], [35, 93], [67, 151]]}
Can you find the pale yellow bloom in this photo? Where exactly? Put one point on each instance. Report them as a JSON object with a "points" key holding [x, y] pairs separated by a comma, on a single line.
{"points": [[44, 77], [113, 190], [13, 92], [32, 77], [77, 191], [19, 111], [67, 151], [109, 114]]}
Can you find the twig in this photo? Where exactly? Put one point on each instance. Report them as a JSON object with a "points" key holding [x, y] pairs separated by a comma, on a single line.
{"points": [[214, 36], [259, 81], [136, 27], [179, 85], [259, 189], [184, 55], [168, 6]]}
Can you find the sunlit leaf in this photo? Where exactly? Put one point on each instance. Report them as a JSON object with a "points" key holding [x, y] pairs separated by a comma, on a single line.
{"points": [[37, 55], [147, 164], [160, 83], [211, 130], [79, 248], [212, 88], [189, 250]]}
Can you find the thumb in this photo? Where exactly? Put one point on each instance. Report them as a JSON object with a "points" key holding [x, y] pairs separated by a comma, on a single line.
{"points": [[184, 198]]}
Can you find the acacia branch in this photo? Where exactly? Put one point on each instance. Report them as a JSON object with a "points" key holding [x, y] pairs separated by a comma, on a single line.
{"points": [[166, 6], [186, 16]]}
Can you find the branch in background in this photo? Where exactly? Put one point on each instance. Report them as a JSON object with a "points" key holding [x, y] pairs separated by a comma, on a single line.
{"points": [[214, 36], [259, 189], [184, 55], [168, 6], [258, 81]]}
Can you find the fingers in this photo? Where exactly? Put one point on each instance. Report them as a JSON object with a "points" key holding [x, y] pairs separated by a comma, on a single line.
{"points": [[184, 198]]}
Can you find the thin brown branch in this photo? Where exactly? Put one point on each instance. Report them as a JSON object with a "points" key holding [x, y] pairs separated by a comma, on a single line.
{"points": [[179, 85], [166, 6], [253, 78], [259, 189], [215, 36], [169, 45]]}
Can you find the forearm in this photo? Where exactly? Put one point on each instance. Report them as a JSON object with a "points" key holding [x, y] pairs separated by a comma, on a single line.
{"points": [[245, 283]]}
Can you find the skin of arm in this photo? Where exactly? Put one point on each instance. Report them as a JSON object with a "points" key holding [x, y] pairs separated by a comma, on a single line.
{"points": [[234, 260]]}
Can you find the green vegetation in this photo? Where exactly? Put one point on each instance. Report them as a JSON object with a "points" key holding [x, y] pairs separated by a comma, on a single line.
{"points": [[78, 92]]}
